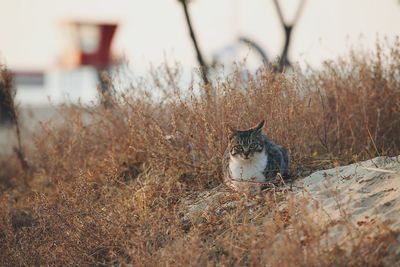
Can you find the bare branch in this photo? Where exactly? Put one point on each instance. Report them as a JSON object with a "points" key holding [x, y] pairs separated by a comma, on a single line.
{"points": [[299, 11], [200, 59], [280, 14]]}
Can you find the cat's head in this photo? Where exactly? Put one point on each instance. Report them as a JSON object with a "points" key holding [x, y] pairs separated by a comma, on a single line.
{"points": [[245, 144]]}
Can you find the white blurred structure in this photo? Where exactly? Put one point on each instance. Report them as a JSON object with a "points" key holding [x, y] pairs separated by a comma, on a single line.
{"points": [[60, 85], [154, 31]]}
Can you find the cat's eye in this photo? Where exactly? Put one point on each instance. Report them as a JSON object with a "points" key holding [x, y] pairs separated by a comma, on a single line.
{"points": [[238, 148], [253, 146]]}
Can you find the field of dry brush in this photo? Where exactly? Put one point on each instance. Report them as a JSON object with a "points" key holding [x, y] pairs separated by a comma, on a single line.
{"points": [[110, 186]]}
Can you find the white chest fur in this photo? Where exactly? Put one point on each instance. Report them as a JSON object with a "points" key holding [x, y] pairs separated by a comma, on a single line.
{"points": [[251, 169]]}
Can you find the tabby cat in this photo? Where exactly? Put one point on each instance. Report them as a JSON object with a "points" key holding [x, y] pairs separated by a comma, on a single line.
{"points": [[251, 159]]}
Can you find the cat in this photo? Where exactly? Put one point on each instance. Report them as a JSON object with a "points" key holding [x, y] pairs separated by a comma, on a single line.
{"points": [[251, 159]]}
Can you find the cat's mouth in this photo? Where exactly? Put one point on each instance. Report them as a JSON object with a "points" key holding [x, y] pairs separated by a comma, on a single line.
{"points": [[243, 157]]}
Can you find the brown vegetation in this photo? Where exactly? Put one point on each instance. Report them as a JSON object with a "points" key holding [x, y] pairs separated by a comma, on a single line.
{"points": [[107, 187]]}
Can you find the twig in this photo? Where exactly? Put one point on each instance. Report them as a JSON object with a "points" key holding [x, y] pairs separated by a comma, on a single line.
{"points": [[373, 142]]}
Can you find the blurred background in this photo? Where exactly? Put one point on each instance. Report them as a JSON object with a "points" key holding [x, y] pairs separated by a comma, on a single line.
{"points": [[48, 44], [55, 50]]}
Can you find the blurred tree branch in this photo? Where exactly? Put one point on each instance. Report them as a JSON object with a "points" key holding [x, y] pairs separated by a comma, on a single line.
{"points": [[200, 58], [288, 27], [9, 108]]}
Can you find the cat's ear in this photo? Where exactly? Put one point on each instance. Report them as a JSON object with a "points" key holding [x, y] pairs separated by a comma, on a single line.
{"points": [[231, 131], [259, 126]]}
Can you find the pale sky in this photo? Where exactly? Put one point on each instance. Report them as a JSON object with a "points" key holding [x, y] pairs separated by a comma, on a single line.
{"points": [[31, 36]]}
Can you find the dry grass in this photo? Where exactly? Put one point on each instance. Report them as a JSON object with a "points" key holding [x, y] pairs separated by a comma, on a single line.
{"points": [[107, 187]]}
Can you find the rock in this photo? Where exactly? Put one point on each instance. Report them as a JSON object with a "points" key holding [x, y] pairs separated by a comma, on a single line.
{"points": [[362, 194], [364, 189]]}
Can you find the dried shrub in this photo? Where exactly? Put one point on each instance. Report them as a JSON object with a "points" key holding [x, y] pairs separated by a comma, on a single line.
{"points": [[109, 185]]}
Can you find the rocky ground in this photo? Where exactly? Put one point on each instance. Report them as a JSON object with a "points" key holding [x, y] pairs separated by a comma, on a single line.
{"points": [[361, 194]]}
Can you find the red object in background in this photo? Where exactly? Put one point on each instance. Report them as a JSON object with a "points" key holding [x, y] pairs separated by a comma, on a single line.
{"points": [[90, 46], [101, 57]]}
